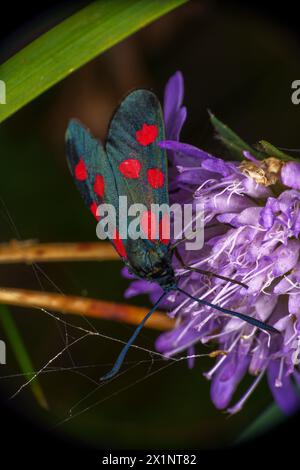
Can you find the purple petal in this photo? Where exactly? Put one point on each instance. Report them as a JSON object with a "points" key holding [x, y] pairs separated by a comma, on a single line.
{"points": [[282, 287], [192, 176], [285, 395], [259, 358], [256, 190], [185, 149], [267, 215], [139, 287], [227, 218], [172, 340], [294, 302], [249, 156], [286, 257], [219, 166], [173, 97], [179, 120], [248, 216], [226, 202], [174, 115], [225, 382], [125, 272], [210, 163], [264, 306], [290, 175]]}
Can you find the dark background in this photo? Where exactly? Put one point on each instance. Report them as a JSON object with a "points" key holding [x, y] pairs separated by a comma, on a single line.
{"points": [[262, 46]]}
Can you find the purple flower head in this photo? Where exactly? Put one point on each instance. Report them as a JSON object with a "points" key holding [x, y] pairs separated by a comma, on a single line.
{"points": [[252, 227]]}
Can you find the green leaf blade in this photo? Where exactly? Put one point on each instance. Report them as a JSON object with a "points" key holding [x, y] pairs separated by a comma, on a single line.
{"points": [[273, 151], [21, 354], [72, 43], [270, 418]]}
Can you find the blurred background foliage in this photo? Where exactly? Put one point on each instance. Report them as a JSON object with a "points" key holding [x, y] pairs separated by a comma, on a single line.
{"points": [[237, 63]]}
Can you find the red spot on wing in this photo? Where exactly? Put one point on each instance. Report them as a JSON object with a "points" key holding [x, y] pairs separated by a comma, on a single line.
{"points": [[147, 134], [130, 168], [99, 185], [118, 242], [93, 209], [149, 224], [155, 178], [164, 229], [80, 171]]}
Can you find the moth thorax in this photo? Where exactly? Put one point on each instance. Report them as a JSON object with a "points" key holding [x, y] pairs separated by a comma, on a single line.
{"points": [[265, 172]]}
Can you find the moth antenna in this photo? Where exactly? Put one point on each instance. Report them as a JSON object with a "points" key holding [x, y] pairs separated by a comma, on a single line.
{"points": [[246, 318], [125, 349], [205, 272]]}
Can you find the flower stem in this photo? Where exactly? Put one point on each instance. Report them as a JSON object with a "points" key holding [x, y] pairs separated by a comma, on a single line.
{"points": [[29, 251], [84, 306]]}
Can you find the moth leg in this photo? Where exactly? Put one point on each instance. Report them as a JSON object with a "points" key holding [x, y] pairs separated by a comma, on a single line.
{"points": [[203, 271]]}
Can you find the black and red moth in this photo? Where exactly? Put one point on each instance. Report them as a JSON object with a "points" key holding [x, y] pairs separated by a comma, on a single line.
{"points": [[132, 164]]}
